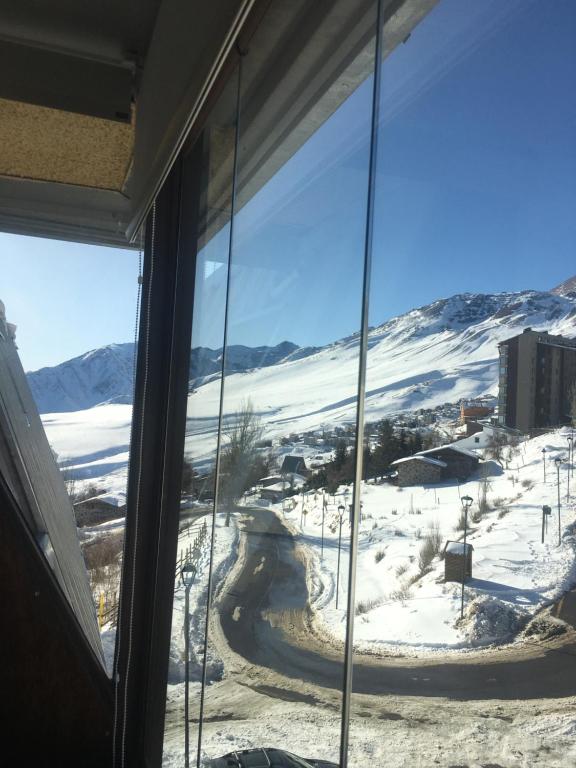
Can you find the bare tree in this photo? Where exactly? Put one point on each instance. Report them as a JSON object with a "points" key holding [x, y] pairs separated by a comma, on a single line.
{"points": [[239, 462], [495, 448]]}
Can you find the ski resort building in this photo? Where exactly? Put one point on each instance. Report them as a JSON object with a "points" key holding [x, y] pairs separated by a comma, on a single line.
{"points": [[537, 372], [279, 167]]}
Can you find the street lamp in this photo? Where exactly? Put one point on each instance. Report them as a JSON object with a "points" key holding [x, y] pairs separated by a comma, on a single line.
{"points": [[341, 510], [324, 505], [570, 457], [558, 461], [544, 462], [466, 503], [187, 574]]}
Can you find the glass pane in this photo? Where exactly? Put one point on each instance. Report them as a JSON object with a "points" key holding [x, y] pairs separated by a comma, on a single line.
{"points": [[208, 172], [66, 370], [281, 556], [463, 628]]}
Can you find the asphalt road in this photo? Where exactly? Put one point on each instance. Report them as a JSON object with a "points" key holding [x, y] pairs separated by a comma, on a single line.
{"points": [[266, 619]]}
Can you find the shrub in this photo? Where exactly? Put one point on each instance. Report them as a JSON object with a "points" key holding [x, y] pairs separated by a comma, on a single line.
{"points": [[379, 555], [401, 569], [403, 592], [101, 552], [102, 559], [426, 555], [430, 548], [477, 515], [527, 484], [364, 606], [503, 512]]}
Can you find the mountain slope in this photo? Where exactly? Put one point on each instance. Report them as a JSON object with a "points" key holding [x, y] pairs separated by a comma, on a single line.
{"points": [[105, 375], [435, 354], [429, 356]]}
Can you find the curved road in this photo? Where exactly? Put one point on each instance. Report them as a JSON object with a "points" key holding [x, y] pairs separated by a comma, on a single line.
{"points": [[266, 619]]}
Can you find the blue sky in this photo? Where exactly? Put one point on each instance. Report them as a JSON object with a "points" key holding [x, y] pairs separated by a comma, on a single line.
{"points": [[476, 181], [66, 298], [476, 191]]}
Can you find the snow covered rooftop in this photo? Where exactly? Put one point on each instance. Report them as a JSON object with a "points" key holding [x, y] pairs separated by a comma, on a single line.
{"points": [[457, 547], [451, 446], [417, 457]]}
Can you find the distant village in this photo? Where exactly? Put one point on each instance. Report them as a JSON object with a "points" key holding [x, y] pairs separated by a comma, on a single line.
{"points": [[537, 392]]}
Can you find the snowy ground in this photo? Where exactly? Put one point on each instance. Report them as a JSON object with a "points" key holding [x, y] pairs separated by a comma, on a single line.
{"points": [[93, 446], [511, 568], [514, 574], [402, 734]]}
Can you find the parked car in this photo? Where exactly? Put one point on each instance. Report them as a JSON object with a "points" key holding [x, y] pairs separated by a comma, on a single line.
{"points": [[267, 757]]}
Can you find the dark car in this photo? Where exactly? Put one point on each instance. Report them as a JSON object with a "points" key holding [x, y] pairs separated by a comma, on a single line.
{"points": [[267, 757]]}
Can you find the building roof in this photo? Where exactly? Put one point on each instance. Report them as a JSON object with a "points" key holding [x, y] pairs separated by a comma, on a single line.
{"points": [[28, 469], [458, 548], [450, 447], [292, 463], [417, 457]]}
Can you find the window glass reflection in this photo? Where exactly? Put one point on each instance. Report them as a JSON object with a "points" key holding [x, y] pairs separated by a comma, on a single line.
{"points": [[461, 626], [281, 555]]}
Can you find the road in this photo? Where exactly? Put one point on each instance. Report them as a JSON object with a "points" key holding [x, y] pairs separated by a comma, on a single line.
{"points": [[266, 619]]}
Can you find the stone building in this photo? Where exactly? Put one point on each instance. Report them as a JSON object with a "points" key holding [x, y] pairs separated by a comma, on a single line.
{"points": [[418, 470]]}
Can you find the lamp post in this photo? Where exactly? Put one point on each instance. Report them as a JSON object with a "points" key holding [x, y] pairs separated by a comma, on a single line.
{"points": [[546, 511], [570, 457], [323, 514], [544, 462], [557, 461], [341, 510], [187, 574], [466, 503]]}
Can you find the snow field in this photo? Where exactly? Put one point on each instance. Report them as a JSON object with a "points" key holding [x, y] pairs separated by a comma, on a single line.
{"points": [[400, 603]]}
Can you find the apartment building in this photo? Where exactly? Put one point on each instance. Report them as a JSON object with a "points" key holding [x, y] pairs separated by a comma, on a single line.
{"points": [[536, 373]]}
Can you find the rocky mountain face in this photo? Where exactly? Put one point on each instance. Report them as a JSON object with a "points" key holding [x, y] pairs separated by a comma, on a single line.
{"points": [[567, 288]]}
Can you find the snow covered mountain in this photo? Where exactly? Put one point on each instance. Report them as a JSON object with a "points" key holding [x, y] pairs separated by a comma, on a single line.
{"points": [[434, 354], [566, 288], [105, 375], [100, 376], [429, 356]]}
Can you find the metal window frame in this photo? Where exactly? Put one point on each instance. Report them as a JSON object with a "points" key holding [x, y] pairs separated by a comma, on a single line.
{"points": [[152, 519], [156, 455]]}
